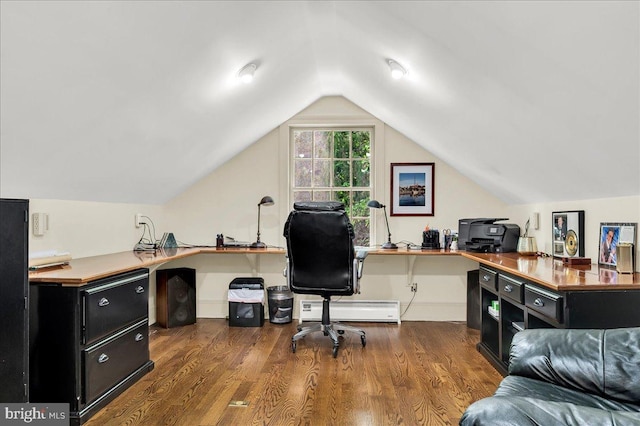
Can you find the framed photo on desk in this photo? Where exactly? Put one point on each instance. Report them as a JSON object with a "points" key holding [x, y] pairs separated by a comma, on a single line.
{"points": [[568, 233], [412, 189], [611, 235]]}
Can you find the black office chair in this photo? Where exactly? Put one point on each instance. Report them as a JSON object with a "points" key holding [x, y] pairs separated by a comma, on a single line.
{"points": [[321, 260]]}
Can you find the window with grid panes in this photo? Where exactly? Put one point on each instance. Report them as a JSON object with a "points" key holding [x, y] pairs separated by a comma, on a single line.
{"points": [[335, 165]]}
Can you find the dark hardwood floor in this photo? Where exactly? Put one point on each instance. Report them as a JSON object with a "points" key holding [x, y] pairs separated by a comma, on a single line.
{"points": [[415, 373]]}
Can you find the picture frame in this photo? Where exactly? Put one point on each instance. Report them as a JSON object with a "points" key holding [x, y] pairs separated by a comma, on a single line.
{"points": [[567, 233], [412, 189], [612, 234]]}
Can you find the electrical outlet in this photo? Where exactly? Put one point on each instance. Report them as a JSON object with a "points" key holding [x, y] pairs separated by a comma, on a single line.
{"points": [[414, 287], [139, 220], [40, 223]]}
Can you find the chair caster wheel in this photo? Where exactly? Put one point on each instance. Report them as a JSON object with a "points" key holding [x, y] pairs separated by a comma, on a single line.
{"points": [[335, 351], [293, 347], [363, 340]]}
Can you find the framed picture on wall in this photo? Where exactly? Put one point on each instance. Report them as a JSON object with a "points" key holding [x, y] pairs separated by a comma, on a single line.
{"points": [[412, 189], [568, 233], [611, 235]]}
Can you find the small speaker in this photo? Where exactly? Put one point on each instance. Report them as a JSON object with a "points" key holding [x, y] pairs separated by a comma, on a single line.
{"points": [[624, 264], [176, 297]]}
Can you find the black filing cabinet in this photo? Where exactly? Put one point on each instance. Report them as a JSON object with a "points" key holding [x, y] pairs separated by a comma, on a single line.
{"points": [[14, 291], [89, 342]]}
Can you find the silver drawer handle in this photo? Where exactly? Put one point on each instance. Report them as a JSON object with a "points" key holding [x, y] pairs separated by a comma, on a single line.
{"points": [[139, 337], [486, 277], [538, 302], [508, 288], [103, 302], [139, 289], [103, 358]]}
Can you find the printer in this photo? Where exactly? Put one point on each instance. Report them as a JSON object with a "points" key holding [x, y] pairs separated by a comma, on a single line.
{"points": [[486, 236]]}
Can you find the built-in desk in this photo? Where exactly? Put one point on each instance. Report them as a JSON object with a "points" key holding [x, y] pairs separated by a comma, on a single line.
{"points": [[532, 292], [544, 271], [535, 292]]}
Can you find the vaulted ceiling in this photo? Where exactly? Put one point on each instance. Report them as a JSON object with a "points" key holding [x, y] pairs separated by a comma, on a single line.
{"points": [[535, 101]]}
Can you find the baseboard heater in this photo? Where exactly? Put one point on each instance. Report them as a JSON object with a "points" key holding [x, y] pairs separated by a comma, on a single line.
{"points": [[352, 310]]}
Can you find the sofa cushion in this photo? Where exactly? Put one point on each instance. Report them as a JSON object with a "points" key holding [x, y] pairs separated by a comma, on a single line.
{"points": [[523, 411], [601, 362], [537, 389]]}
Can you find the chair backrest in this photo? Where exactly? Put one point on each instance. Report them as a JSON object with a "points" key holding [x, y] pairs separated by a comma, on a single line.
{"points": [[320, 249]]}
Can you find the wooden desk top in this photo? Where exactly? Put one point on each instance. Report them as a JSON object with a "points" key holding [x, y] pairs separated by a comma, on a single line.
{"points": [[81, 271], [553, 274], [544, 271], [403, 251]]}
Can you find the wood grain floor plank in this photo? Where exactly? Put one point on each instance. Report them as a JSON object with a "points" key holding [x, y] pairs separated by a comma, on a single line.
{"points": [[416, 373]]}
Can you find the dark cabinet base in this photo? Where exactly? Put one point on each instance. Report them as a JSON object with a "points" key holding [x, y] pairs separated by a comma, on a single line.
{"points": [[76, 418], [88, 343], [526, 305]]}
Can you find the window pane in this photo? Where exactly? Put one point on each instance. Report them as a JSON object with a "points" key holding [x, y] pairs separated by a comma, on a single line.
{"points": [[361, 229], [322, 173], [322, 148], [341, 174], [360, 200], [301, 196], [328, 165], [322, 195], [361, 173], [361, 144], [343, 197], [302, 173], [303, 143], [341, 144]]}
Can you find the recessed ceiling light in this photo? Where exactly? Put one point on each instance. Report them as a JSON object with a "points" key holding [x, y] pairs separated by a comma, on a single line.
{"points": [[246, 73], [397, 70]]}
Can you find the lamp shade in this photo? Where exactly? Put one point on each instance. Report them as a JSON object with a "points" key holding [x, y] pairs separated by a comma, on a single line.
{"points": [[374, 204], [266, 201]]}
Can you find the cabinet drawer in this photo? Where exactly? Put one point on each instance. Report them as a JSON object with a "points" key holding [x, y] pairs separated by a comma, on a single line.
{"points": [[511, 288], [111, 360], [488, 277], [113, 304], [543, 301]]}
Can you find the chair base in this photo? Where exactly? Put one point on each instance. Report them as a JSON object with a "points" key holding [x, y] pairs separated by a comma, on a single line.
{"points": [[331, 329]]}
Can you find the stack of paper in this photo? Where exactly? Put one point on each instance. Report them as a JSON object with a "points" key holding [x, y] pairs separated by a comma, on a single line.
{"points": [[43, 259]]}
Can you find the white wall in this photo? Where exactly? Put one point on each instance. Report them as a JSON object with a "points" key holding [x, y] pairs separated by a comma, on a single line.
{"points": [[88, 228]]}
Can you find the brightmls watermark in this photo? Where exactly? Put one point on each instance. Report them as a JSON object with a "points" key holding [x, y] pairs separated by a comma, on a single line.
{"points": [[34, 414]]}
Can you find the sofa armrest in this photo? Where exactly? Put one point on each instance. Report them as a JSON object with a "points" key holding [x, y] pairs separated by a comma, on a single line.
{"points": [[601, 362]]}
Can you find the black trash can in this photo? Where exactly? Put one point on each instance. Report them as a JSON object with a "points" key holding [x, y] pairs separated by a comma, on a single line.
{"points": [[280, 304]]}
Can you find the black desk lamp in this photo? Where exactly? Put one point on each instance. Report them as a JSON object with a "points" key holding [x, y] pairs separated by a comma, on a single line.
{"points": [[376, 205], [266, 201]]}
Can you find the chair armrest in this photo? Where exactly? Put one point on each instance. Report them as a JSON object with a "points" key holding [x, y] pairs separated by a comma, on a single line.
{"points": [[603, 362], [358, 265]]}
